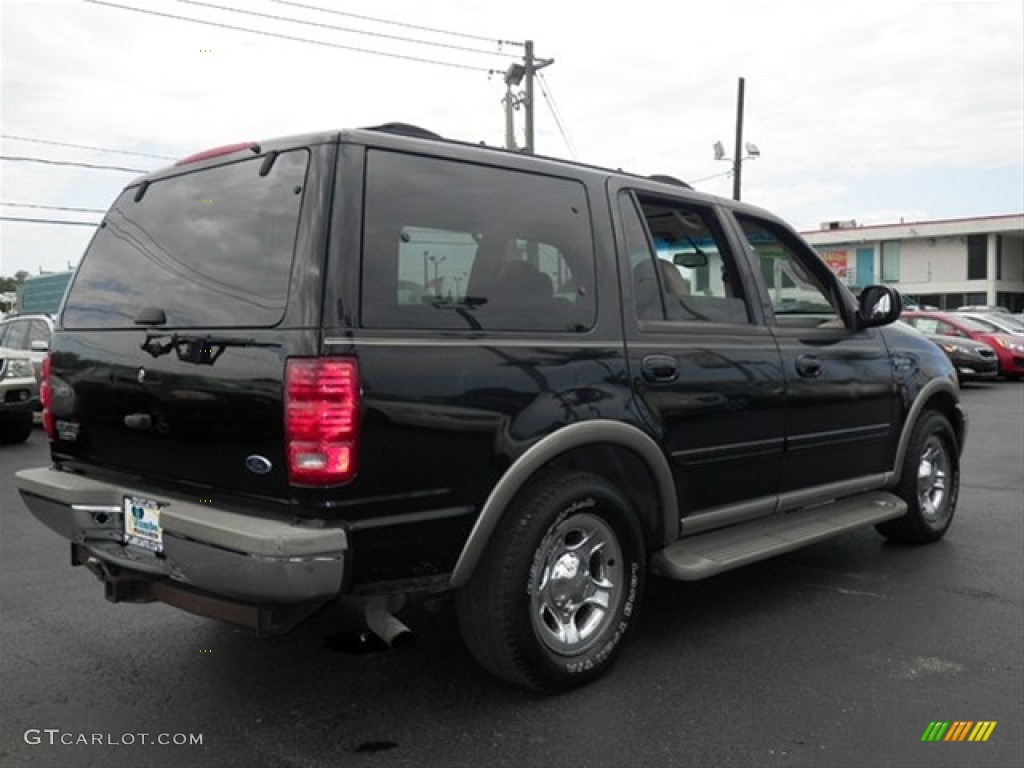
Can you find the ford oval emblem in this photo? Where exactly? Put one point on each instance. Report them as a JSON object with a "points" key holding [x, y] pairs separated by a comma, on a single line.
{"points": [[258, 465]]}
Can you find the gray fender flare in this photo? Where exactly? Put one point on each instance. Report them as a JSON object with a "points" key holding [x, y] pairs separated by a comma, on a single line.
{"points": [[931, 388], [565, 439]]}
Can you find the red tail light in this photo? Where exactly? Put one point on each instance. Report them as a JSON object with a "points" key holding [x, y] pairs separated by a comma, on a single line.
{"points": [[46, 398], [321, 412]]}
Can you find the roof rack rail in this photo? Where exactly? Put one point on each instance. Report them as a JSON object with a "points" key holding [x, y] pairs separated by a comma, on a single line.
{"points": [[405, 129], [666, 179]]}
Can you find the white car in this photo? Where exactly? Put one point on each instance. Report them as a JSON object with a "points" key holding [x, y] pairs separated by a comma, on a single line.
{"points": [[1003, 322]]}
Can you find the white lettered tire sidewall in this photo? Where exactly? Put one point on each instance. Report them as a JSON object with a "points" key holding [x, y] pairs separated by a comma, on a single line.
{"points": [[559, 586]]}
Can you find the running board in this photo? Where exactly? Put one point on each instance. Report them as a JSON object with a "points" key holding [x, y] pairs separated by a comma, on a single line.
{"points": [[706, 554]]}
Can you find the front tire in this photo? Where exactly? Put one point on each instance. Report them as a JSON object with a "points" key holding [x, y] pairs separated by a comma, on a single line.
{"points": [[930, 483], [558, 586]]}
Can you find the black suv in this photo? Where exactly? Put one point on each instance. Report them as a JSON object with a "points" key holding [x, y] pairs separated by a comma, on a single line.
{"points": [[375, 364]]}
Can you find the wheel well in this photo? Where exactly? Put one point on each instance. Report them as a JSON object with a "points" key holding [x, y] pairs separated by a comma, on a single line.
{"points": [[943, 402], [629, 473]]}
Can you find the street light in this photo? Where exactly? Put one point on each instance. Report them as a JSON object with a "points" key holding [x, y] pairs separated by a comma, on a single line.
{"points": [[752, 153], [514, 74]]}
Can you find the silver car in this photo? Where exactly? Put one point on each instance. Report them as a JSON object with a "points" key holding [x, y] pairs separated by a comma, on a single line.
{"points": [[30, 335], [19, 396]]}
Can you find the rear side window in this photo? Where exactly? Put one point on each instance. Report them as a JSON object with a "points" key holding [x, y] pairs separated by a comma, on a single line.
{"points": [[460, 246], [210, 248]]}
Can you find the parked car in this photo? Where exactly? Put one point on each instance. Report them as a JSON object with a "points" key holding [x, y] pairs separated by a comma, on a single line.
{"points": [[19, 394], [986, 308], [973, 360], [29, 334], [386, 366], [999, 322], [1009, 349]]}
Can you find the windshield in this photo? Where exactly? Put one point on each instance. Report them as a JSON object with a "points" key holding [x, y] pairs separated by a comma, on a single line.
{"points": [[979, 326], [1004, 322]]}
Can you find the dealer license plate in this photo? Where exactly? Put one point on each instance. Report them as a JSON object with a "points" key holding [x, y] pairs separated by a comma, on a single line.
{"points": [[142, 523]]}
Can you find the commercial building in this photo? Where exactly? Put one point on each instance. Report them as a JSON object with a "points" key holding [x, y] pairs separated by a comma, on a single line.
{"points": [[947, 264]]}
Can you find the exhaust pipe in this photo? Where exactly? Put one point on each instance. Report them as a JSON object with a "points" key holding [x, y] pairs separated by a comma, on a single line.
{"points": [[381, 620], [100, 569]]}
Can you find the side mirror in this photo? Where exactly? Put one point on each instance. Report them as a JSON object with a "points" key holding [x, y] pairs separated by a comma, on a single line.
{"points": [[879, 305]]}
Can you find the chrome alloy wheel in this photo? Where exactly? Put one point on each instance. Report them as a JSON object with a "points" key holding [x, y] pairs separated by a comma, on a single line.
{"points": [[933, 472], [577, 583]]}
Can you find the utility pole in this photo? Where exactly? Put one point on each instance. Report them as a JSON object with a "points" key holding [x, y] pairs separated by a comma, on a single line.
{"points": [[515, 75], [737, 158], [530, 69]]}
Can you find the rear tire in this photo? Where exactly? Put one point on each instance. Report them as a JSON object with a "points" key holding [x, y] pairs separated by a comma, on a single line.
{"points": [[930, 483], [16, 431], [558, 586]]}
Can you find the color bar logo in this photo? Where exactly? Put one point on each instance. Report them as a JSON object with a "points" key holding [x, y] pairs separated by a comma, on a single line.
{"points": [[959, 730]]}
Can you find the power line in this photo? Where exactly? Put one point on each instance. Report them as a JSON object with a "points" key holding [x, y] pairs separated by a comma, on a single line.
{"points": [[51, 221], [53, 207], [712, 176], [556, 113], [85, 146], [79, 165], [294, 38], [398, 23], [343, 29]]}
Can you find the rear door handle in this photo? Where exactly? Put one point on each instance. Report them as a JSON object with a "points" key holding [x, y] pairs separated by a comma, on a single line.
{"points": [[660, 368], [138, 421], [808, 366]]}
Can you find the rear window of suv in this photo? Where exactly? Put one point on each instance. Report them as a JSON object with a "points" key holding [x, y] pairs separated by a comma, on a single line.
{"points": [[462, 246], [211, 248]]}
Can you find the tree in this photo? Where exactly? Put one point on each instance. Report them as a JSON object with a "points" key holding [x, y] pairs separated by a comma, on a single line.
{"points": [[10, 284]]}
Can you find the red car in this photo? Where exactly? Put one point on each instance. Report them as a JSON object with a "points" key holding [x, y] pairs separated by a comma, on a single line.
{"points": [[1009, 349]]}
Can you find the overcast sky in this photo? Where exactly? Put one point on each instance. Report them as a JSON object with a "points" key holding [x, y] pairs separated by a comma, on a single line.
{"points": [[865, 110]]}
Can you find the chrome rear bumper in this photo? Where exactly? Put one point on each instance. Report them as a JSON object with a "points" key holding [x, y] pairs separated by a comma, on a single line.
{"points": [[238, 556]]}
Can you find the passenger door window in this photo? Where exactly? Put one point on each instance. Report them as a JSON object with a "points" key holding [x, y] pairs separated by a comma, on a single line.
{"points": [[800, 294], [680, 268]]}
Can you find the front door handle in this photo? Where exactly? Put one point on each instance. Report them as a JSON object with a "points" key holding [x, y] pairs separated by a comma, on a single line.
{"points": [[660, 368], [808, 366]]}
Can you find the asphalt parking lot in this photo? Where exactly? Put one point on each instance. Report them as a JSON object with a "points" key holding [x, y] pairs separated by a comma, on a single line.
{"points": [[838, 655]]}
